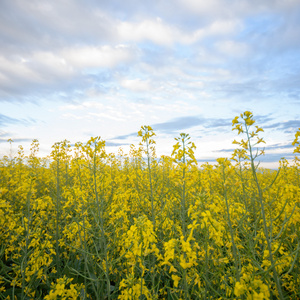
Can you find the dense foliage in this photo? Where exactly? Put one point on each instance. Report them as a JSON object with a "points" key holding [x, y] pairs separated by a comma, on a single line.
{"points": [[85, 224]]}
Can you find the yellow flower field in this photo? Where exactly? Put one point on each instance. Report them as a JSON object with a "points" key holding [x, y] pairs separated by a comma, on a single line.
{"points": [[85, 224]]}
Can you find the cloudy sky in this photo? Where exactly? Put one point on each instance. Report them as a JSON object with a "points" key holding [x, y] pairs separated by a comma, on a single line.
{"points": [[72, 69]]}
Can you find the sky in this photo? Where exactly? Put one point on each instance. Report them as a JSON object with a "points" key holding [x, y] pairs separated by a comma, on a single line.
{"points": [[73, 69]]}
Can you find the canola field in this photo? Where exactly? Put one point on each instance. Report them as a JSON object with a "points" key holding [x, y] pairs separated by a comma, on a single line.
{"points": [[86, 224]]}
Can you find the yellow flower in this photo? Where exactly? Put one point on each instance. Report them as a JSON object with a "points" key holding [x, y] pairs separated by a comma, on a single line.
{"points": [[235, 120], [176, 280]]}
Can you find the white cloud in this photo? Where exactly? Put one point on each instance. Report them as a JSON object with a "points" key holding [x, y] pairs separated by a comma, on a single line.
{"points": [[216, 55], [112, 108], [216, 9], [214, 29], [136, 85], [113, 117], [46, 21], [69, 116], [203, 6], [82, 106], [48, 67], [286, 5], [159, 32], [232, 48], [223, 27], [95, 57], [50, 63], [15, 69], [3, 78], [20, 73], [153, 30]]}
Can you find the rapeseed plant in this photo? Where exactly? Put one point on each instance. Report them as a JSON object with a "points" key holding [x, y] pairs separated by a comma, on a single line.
{"points": [[85, 224]]}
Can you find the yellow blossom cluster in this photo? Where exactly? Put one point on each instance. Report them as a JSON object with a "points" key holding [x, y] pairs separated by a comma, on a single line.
{"points": [[87, 224], [63, 289]]}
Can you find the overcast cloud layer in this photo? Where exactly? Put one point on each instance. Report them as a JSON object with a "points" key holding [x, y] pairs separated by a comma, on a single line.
{"points": [[74, 69]]}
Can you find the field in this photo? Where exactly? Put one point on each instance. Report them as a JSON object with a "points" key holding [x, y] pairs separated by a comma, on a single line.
{"points": [[85, 224]]}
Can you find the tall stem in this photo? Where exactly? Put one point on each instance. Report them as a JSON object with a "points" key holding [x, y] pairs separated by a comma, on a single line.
{"points": [[100, 208], [234, 248], [262, 206], [57, 217], [150, 182], [183, 209]]}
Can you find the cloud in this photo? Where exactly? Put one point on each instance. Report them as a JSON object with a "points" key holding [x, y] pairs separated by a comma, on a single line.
{"points": [[5, 120], [261, 119], [96, 57], [206, 160], [152, 30], [161, 33], [44, 24], [113, 144], [178, 65], [94, 105], [16, 140], [125, 136], [290, 126], [267, 158], [273, 153], [212, 123], [178, 124], [275, 157], [136, 85], [35, 27], [42, 57], [59, 69], [278, 147], [232, 48], [219, 28], [5, 136], [183, 123], [111, 115], [236, 8]]}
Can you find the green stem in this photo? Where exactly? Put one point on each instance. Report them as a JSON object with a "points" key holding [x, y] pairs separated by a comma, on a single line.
{"points": [[183, 204], [57, 218], [100, 208], [150, 182], [234, 248], [266, 232]]}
